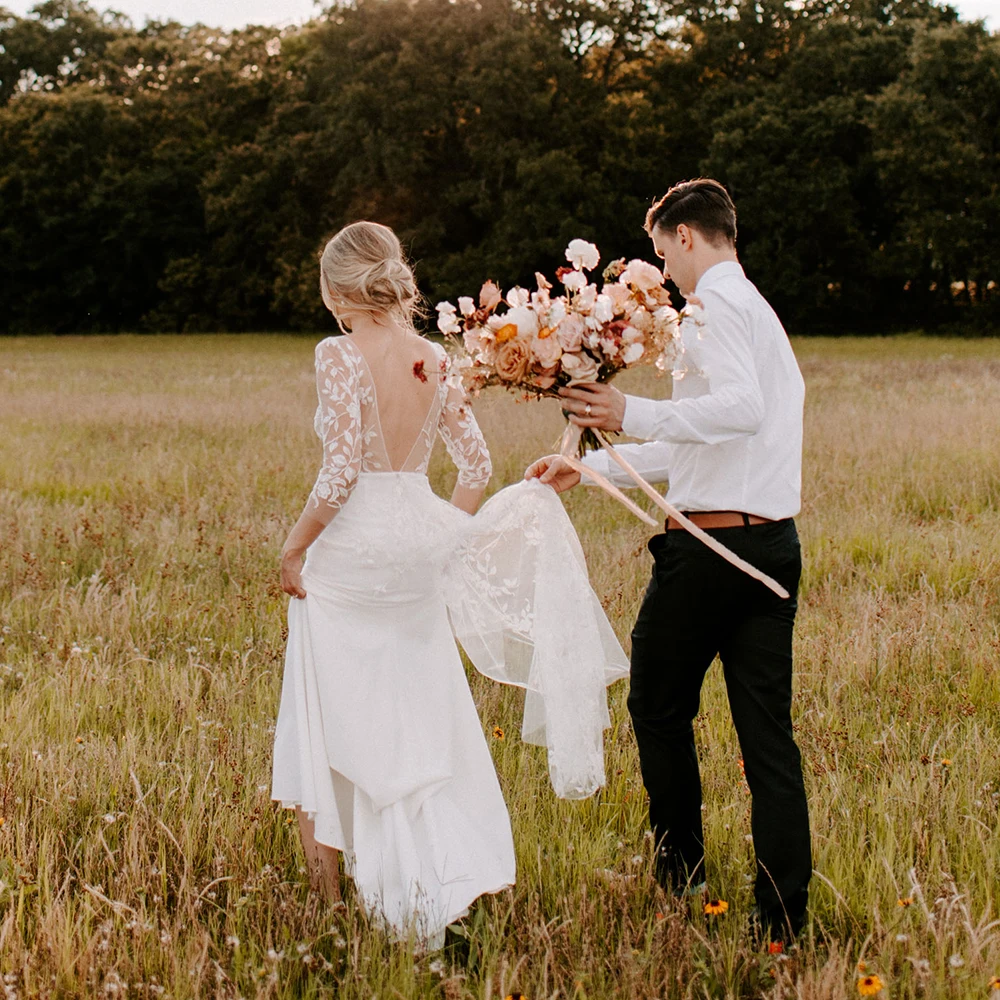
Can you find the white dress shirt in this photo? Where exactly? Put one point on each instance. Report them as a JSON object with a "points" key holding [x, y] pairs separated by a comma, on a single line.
{"points": [[730, 437]]}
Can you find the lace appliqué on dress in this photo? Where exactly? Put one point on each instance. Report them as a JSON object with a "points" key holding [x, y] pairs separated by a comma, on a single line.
{"points": [[342, 394]]}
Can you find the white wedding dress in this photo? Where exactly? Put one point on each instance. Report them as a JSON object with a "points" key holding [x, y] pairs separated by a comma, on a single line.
{"points": [[378, 738]]}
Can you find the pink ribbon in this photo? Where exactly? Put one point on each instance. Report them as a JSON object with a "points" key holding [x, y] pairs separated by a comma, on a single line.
{"points": [[570, 442]]}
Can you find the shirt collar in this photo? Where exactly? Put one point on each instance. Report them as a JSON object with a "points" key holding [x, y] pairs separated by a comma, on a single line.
{"points": [[716, 272]]}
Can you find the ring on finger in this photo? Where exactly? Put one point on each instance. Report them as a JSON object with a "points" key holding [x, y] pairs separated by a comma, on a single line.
{"points": [[587, 410]]}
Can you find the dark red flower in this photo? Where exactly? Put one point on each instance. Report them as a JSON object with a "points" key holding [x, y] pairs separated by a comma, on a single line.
{"points": [[418, 371]]}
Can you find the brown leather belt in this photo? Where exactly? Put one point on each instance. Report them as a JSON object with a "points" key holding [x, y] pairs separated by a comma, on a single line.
{"points": [[718, 519]]}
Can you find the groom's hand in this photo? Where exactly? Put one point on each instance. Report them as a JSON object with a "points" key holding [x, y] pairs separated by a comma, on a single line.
{"points": [[594, 404], [553, 471]]}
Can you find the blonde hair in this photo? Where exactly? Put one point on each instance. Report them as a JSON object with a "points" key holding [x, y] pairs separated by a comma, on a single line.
{"points": [[364, 267]]}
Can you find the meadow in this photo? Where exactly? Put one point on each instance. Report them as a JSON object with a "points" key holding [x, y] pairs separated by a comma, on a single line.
{"points": [[145, 488]]}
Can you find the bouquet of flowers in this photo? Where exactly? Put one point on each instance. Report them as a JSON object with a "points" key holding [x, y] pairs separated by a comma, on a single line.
{"points": [[544, 340]]}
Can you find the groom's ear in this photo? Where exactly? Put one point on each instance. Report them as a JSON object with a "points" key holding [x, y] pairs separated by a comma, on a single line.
{"points": [[685, 236]]}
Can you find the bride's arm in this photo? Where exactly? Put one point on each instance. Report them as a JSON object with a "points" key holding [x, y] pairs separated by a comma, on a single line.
{"points": [[465, 443], [339, 414]]}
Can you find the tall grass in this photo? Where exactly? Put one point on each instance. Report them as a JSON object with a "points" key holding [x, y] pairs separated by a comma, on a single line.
{"points": [[145, 488]]}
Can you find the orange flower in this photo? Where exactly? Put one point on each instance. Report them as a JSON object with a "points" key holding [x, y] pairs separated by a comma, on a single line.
{"points": [[946, 762], [907, 901], [545, 333], [716, 906], [995, 984], [775, 948], [507, 332], [869, 986], [516, 996], [497, 733]]}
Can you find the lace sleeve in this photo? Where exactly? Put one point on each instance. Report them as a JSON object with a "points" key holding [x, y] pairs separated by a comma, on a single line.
{"points": [[338, 424], [464, 440]]}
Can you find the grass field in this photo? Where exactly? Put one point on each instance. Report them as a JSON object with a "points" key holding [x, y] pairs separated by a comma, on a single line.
{"points": [[145, 488]]}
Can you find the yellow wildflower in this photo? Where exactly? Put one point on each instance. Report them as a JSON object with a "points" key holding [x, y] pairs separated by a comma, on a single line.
{"points": [[869, 986], [995, 984], [716, 906], [507, 332], [906, 901], [497, 733]]}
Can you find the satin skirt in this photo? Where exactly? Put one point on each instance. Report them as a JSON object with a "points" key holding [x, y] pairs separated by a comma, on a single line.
{"points": [[378, 739]]}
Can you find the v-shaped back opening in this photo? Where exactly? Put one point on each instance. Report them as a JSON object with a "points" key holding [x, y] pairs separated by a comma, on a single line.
{"points": [[423, 375]]}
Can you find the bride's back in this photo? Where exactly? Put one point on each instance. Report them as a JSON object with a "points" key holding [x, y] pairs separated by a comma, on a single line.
{"points": [[401, 412]]}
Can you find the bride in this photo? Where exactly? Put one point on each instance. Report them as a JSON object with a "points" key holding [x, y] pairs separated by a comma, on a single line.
{"points": [[378, 745]]}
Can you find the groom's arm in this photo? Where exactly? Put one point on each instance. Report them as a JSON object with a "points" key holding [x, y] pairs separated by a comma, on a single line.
{"points": [[732, 408], [651, 460]]}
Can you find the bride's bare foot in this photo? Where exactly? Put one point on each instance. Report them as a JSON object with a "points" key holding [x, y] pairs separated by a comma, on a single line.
{"points": [[322, 861]]}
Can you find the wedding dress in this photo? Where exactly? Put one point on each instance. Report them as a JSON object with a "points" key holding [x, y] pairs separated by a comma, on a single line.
{"points": [[378, 739]]}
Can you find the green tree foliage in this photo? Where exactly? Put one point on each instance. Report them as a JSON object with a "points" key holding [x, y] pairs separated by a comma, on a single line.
{"points": [[180, 177]]}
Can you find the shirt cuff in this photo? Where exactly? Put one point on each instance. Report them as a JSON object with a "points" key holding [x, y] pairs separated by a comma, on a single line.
{"points": [[640, 417]]}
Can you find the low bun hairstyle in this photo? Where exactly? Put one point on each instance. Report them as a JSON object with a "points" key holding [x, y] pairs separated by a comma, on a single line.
{"points": [[363, 266]]}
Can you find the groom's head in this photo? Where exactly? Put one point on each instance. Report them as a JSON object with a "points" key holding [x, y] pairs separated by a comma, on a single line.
{"points": [[691, 226]]}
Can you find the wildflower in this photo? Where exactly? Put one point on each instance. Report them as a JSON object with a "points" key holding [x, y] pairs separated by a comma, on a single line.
{"points": [[956, 961], [775, 948], [233, 941], [862, 968], [291, 819], [497, 733], [516, 996], [869, 986], [946, 762], [716, 906], [418, 371], [907, 901], [995, 984], [902, 938], [79, 739], [659, 915]]}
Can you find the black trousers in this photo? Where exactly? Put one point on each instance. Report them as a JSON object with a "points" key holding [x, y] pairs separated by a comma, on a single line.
{"points": [[697, 606]]}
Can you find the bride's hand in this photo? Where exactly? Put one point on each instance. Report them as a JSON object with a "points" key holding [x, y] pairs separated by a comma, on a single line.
{"points": [[291, 574], [553, 471]]}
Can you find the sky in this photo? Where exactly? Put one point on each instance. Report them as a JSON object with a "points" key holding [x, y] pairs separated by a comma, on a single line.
{"points": [[235, 13]]}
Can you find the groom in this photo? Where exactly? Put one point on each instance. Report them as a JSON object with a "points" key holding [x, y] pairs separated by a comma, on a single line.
{"points": [[730, 443]]}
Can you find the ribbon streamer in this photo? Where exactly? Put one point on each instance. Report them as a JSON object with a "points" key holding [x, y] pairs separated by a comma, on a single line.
{"points": [[570, 442]]}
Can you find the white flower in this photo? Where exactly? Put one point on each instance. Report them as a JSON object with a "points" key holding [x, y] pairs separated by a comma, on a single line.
{"points": [[630, 335], [109, 818], [447, 322], [609, 348], [574, 280], [525, 319], [582, 255], [956, 961], [518, 297], [273, 47], [232, 941], [604, 309], [467, 304], [633, 352], [587, 297], [641, 274], [556, 314]]}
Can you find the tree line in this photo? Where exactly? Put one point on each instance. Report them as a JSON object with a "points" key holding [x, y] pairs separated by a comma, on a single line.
{"points": [[184, 178]]}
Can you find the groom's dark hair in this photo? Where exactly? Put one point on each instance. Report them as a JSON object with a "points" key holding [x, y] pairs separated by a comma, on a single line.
{"points": [[702, 204]]}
